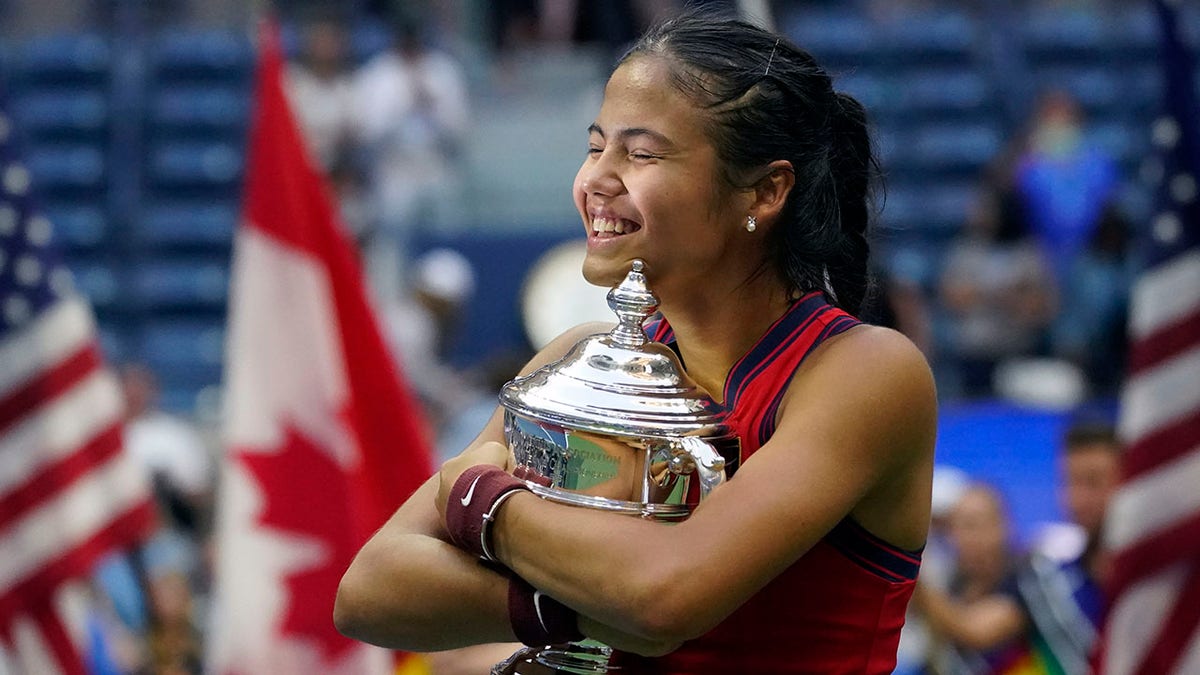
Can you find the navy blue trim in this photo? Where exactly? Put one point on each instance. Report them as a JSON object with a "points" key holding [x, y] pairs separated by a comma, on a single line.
{"points": [[766, 425], [873, 554], [786, 330]]}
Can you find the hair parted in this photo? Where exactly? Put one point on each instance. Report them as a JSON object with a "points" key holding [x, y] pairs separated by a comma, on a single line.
{"points": [[768, 100]]}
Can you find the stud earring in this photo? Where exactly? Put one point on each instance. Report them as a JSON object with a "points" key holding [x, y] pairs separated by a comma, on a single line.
{"points": [[751, 223]]}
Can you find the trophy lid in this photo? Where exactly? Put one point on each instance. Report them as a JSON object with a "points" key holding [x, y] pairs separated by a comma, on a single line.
{"points": [[619, 383]]}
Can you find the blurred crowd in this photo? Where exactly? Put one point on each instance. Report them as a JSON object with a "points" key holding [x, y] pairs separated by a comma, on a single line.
{"points": [[987, 602], [1028, 303]]}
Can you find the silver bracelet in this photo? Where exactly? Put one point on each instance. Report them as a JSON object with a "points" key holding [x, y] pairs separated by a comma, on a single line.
{"points": [[489, 518]]}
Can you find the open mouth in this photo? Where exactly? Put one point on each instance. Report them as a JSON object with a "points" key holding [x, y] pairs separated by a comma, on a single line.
{"points": [[606, 228]]}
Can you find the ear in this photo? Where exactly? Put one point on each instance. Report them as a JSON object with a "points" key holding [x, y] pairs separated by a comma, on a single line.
{"points": [[772, 190]]}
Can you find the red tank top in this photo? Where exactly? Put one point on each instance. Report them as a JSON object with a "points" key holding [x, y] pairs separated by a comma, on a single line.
{"points": [[839, 608]]}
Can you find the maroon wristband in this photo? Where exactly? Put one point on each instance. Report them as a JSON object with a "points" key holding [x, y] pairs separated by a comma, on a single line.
{"points": [[538, 619], [473, 502]]}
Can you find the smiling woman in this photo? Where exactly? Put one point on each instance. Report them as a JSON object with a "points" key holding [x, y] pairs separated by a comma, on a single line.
{"points": [[722, 158]]}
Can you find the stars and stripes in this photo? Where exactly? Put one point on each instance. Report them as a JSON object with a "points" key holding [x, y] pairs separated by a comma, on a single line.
{"points": [[1154, 523], [68, 494]]}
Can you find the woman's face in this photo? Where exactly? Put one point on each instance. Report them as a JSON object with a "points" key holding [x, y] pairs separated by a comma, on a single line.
{"points": [[649, 186]]}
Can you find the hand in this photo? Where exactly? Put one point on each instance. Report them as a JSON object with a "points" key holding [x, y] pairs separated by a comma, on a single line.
{"points": [[486, 453]]}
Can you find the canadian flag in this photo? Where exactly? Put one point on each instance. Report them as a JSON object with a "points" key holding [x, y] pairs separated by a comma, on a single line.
{"points": [[323, 441]]}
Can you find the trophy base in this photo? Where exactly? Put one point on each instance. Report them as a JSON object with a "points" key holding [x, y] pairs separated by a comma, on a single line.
{"points": [[573, 659]]}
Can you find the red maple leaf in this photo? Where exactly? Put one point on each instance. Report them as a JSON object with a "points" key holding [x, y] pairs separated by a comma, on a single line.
{"points": [[308, 495]]}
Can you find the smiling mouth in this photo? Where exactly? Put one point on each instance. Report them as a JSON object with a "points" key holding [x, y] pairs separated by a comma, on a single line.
{"points": [[606, 228]]}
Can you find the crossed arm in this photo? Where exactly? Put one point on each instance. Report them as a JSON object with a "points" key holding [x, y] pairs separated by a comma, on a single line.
{"points": [[855, 436]]}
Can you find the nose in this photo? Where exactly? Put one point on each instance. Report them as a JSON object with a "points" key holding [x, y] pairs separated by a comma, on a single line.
{"points": [[598, 176]]}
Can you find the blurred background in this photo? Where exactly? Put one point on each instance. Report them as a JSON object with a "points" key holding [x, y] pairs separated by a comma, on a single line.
{"points": [[1015, 139]]}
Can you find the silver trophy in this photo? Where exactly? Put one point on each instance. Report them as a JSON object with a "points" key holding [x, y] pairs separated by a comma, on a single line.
{"points": [[614, 425]]}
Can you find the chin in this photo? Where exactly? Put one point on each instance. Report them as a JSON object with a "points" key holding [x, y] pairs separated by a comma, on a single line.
{"points": [[603, 273]]}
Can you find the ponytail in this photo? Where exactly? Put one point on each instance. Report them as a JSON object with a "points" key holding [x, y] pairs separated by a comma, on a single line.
{"points": [[852, 167]]}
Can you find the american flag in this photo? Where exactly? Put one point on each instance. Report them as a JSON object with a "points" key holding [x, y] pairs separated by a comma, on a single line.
{"points": [[1154, 524], [68, 494]]}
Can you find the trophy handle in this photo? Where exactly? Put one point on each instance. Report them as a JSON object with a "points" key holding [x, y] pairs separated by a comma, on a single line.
{"points": [[710, 465]]}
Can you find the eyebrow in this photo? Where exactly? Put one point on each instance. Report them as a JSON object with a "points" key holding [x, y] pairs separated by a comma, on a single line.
{"points": [[626, 134]]}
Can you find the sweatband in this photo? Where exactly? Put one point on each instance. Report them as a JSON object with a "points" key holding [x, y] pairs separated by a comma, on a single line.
{"points": [[472, 506], [538, 619]]}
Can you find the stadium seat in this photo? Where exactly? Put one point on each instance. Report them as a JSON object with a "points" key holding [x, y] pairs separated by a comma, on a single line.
{"points": [[64, 59], [950, 149], [59, 167], [61, 112], [170, 343], [187, 224], [195, 163], [1058, 34], [77, 225], [181, 54], [193, 284], [98, 281], [943, 92], [200, 109], [929, 37], [930, 212], [840, 39]]}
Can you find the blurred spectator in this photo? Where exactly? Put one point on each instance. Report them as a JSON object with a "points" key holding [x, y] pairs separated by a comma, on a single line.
{"points": [[410, 107], [899, 303], [937, 567], [978, 619], [1063, 600], [173, 451], [997, 290], [318, 88], [421, 324], [1090, 331], [1064, 182], [616, 23]]}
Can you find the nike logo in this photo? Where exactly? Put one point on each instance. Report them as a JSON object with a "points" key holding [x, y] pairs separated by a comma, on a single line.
{"points": [[537, 605], [466, 500]]}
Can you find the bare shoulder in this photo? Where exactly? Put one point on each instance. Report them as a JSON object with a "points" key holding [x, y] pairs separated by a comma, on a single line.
{"points": [[875, 388]]}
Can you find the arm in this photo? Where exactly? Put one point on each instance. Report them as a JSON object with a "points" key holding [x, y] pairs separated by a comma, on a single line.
{"points": [[857, 421], [409, 588], [979, 625]]}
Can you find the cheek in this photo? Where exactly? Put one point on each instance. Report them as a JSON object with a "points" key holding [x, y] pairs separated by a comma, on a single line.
{"points": [[577, 192]]}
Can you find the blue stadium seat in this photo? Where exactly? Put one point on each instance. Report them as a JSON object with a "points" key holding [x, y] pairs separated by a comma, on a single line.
{"points": [[205, 108], [943, 36], [171, 343], [1057, 34], [198, 284], [181, 54], [98, 281], [187, 223], [929, 212], [195, 163], [943, 92], [187, 354], [838, 38], [876, 92], [57, 167], [61, 60], [115, 341], [77, 225], [959, 149], [61, 112]]}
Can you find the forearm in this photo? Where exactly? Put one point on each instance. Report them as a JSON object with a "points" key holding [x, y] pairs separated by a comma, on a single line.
{"points": [[408, 589]]}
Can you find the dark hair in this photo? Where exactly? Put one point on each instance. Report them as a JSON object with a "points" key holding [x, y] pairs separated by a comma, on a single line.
{"points": [[768, 100], [1089, 433]]}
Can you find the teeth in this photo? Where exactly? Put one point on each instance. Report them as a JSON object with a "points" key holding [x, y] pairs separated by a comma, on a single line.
{"points": [[614, 225]]}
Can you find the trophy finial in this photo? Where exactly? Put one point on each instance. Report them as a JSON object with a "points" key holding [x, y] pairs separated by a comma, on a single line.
{"points": [[633, 303]]}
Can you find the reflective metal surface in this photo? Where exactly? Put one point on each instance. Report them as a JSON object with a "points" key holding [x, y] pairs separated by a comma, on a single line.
{"points": [[616, 425]]}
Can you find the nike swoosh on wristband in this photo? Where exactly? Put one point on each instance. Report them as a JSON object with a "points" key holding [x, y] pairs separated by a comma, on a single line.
{"points": [[537, 606], [466, 500]]}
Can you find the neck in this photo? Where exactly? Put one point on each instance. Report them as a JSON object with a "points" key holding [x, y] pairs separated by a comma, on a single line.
{"points": [[715, 329]]}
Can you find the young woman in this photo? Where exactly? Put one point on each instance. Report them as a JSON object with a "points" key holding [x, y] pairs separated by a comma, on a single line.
{"points": [[722, 158]]}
